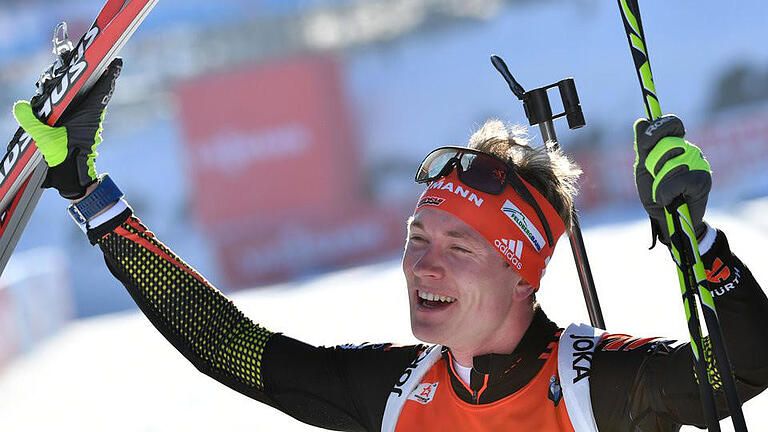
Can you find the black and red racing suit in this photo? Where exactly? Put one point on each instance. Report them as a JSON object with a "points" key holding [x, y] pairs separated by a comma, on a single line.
{"points": [[636, 385]]}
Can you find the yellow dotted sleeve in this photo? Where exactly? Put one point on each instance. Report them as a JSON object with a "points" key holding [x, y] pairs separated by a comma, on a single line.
{"points": [[192, 314]]}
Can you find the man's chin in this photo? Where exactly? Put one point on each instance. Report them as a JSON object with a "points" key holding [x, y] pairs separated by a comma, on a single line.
{"points": [[432, 334]]}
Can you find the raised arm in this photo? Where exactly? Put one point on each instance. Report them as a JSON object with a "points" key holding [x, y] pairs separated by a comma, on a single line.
{"points": [[335, 388], [650, 384]]}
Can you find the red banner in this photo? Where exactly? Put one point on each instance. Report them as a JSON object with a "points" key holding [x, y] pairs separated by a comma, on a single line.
{"points": [[306, 243], [275, 176], [265, 139]]}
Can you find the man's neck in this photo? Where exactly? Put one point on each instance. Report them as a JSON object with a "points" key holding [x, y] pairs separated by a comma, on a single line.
{"points": [[505, 341]]}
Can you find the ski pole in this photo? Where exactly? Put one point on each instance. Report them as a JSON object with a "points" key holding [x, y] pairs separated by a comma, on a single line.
{"points": [[685, 251], [539, 112]]}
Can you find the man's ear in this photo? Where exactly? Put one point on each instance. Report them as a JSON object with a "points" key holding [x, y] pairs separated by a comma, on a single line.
{"points": [[522, 290]]}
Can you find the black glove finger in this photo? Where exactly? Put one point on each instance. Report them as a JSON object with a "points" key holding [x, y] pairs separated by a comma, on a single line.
{"points": [[698, 208], [644, 182], [647, 134], [102, 91], [64, 178], [666, 157], [640, 125], [691, 185], [87, 113], [84, 178]]}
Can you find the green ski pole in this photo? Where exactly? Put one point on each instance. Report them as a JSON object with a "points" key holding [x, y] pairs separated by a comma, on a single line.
{"points": [[685, 251]]}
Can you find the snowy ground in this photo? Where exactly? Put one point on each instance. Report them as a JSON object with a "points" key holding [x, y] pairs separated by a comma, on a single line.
{"points": [[116, 373]]}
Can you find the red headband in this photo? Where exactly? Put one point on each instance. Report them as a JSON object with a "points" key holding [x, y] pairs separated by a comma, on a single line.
{"points": [[503, 220]]}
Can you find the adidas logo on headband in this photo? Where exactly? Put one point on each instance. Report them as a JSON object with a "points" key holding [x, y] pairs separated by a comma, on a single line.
{"points": [[512, 249]]}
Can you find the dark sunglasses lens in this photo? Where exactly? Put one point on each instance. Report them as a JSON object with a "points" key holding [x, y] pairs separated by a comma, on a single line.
{"points": [[434, 164], [483, 173]]}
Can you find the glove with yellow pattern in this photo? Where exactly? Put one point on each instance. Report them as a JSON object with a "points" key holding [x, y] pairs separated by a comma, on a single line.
{"points": [[69, 148], [666, 167]]}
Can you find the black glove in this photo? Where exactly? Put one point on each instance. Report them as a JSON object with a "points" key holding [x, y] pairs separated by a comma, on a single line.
{"points": [[666, 167], [69, 149]]}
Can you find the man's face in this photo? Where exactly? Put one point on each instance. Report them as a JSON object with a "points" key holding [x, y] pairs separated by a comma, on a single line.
{"points": [[445, 257]]}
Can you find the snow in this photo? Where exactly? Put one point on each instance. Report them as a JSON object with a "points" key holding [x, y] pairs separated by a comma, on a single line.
{"points": [[117, 373]]}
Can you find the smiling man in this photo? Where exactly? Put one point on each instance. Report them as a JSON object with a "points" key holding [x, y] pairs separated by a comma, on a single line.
{"points": [[479, 241], [471, 246]]}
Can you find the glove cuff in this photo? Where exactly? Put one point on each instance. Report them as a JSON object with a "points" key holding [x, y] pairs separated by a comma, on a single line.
{"points": [[706, 242]]}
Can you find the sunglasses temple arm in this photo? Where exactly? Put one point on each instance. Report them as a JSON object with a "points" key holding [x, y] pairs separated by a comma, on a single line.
{"points": [[547, 231], [523, 191]]}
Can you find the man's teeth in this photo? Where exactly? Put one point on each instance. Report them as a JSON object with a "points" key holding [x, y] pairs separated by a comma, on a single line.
{"points": [[435, 297]]}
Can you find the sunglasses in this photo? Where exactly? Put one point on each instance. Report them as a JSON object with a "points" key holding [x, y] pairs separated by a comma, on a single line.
{"points": [[478, 170]]}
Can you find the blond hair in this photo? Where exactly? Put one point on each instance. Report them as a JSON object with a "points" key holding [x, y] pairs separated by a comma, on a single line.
{"points": [[551, 172]]}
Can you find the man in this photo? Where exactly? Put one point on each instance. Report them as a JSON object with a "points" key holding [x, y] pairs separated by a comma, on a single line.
{"points": [[478, 243]]}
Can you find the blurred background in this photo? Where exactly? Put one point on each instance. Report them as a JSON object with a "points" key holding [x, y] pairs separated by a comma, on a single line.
{"points": [[269, 142]]}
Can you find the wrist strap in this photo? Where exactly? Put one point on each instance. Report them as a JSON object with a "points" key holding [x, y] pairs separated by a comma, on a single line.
{"points": [[105, 194]]}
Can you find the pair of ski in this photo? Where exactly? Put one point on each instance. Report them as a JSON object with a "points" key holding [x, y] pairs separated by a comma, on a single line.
{"points": [[75, 71], [685, 251]]}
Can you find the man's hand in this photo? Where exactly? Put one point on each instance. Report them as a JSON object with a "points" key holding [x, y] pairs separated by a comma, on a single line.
{"points": [[668, 166], [70, 149]]}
